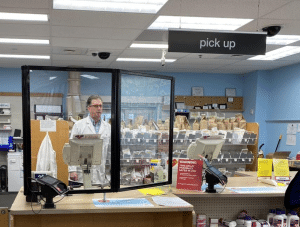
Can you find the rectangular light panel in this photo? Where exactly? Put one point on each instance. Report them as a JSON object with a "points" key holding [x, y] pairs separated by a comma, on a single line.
{"points": [[277, 54], [149, 46], [24, 56], [24, 41], [144, 59], [23, 16], [282, 39], [203, 23], [125, 6], [89, 77]]}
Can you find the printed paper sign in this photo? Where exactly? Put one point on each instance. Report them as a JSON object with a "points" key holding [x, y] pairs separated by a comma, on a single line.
{"points": [[264, 167], [48, 126], [281, 168], [189, 176]]}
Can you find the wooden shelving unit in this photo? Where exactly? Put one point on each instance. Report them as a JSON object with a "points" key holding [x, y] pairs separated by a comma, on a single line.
{"points": [[235, 106]]}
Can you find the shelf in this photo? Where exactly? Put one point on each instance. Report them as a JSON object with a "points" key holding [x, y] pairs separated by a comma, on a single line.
{"points": [[2, 129], [215, 110], [5, 114], [4, 122], [283, 121]]}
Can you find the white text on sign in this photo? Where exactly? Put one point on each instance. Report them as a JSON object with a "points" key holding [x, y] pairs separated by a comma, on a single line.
{"points": [[216, 43]]}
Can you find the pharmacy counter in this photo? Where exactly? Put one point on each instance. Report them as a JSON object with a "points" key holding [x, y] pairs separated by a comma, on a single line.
{"points": [[79, 210], [257, 198]]}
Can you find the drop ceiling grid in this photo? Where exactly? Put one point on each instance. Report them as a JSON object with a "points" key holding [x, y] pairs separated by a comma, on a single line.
{"points": [[36, 4]]}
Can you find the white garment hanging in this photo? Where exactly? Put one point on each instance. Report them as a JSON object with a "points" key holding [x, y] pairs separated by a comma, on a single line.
{"points": [[46, 159]]}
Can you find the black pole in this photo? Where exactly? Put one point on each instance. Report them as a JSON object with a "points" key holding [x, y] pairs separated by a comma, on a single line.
{"points": [[115, 129], [26, 129], [280, 137], [172, 112]]}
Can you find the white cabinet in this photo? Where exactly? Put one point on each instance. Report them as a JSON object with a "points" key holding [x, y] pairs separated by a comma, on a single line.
{"points": [[15, 171]]}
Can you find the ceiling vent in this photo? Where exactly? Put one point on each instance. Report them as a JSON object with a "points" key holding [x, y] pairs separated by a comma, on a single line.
{"points": [[69, 51]]}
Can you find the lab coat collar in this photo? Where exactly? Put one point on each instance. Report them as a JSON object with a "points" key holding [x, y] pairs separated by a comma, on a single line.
{"points": [[91, 126]]}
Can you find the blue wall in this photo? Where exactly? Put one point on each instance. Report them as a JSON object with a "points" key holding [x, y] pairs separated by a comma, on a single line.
{"points": [[282, 88], [10, 80], [272, 95], [213, 84], [250, 95]]}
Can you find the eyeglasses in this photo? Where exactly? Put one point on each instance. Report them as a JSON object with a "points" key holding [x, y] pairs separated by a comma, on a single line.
{"points": [[96, 106]]}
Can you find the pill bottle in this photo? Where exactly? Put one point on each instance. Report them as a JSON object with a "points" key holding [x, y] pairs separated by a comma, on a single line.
{"points": [[201, 220], [263, 223], [248, 222], [232, 224], [240, 221], [270, 216], [278, 219], [294, 219], [255, 223]]}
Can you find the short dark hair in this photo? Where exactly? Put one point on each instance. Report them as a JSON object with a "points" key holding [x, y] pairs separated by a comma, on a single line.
{"points": [[92, 97]]}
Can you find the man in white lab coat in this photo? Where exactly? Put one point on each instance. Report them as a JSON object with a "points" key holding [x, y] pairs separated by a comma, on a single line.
{"points": [[92, 124]]}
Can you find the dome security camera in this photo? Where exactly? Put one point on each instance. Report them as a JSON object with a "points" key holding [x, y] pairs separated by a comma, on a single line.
{"points": [[272, 30], [103, 55]]}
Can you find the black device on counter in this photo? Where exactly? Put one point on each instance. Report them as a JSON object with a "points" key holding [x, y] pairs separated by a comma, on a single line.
{"points": [[213, 176], [51, 187]]}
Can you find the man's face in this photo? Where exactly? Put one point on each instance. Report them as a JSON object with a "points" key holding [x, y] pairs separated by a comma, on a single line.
{"points": [[95, 109]]}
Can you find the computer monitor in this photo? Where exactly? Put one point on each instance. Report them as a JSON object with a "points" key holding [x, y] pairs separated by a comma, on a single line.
{"points": [[84, 150], [208, 148]]}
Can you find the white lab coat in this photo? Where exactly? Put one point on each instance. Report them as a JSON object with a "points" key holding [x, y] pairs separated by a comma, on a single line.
{"points": [[85, 126], [46, 158]]}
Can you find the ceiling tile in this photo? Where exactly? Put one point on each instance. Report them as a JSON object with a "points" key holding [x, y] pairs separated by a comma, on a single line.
{"points": [[101, 19], [105, 44], [95, 33], [38, 4]]}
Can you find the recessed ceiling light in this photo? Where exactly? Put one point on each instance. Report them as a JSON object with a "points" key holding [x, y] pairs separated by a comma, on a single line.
{"points": [[89, 77], [144, 59], [24, 41], [128, 6], [278, 53], [204, 23], [24, 56], [150, 46], [283, 39], [23, 16]]}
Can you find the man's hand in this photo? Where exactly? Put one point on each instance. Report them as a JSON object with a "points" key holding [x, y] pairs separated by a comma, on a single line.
{"points": [[74, 176]]}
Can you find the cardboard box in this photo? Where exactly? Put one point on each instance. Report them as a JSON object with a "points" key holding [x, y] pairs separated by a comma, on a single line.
{"points": [[294, 163], [278, 155]]}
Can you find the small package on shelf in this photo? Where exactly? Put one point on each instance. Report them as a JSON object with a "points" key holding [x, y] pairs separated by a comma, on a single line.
{"points": [[196, 125], [198, 134], [203, 122], [237, 136], [235, 157], [227, 124], [251, 140], [220, 124], [226, 158]]}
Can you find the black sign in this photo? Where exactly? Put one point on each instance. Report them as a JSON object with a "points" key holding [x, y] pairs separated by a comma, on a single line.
{"points": [[217, 42]]}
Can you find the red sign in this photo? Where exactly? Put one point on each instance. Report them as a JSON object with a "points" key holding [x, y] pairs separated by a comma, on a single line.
{"points": [[189, 176]]}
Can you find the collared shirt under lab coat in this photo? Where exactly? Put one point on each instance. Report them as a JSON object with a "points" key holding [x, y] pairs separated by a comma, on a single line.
{"points": [[85, 126]]}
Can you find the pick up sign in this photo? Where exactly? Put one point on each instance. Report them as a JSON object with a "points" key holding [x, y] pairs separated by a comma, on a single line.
{"points": [[242, 43]]}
